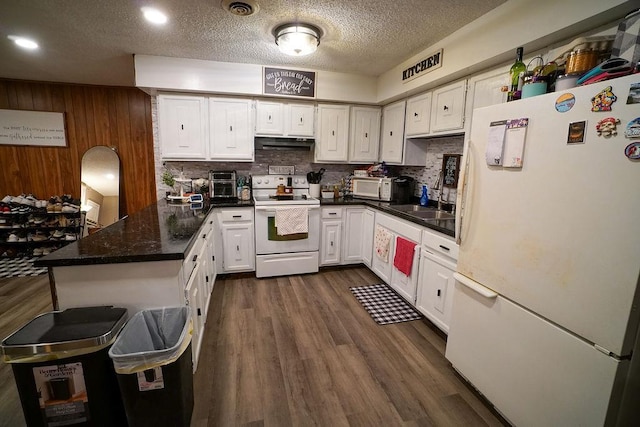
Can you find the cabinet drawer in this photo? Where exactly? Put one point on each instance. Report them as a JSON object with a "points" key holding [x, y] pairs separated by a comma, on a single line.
{"points": [[440, 244], [230, 215], [331, 213]]}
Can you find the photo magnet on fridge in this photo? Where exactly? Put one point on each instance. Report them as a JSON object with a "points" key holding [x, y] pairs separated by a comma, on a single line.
{"points": [[576, 132]]}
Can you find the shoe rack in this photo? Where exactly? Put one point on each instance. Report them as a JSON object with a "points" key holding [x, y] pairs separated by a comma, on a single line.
{"points": [[28, 231]]}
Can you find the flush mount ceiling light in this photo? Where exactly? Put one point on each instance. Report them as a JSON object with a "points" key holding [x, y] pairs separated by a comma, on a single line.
{"points": [[23, 42], [154, 15], [297, 39]]}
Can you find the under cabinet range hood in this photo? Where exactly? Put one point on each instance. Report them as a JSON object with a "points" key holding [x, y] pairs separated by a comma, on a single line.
{"points": [[279, 143]]}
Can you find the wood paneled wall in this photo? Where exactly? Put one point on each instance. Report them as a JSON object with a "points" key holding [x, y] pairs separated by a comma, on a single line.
{"points": [[118, 117]]}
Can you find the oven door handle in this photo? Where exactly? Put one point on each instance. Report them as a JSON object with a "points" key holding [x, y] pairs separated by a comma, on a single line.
{"points": [[272, 209]]}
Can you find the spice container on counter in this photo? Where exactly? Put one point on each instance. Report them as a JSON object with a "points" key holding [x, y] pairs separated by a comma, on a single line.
{"points": [[245, 194]]}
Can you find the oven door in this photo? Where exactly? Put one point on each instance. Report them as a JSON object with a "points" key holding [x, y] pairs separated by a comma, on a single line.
{"points": [[269, 242]]}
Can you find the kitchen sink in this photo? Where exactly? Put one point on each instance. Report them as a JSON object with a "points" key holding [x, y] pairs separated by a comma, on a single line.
{"points": [[423, 212]]}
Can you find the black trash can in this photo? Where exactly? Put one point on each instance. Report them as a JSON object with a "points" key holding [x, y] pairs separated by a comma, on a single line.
{"points": [[152, 360], [62, 368]]}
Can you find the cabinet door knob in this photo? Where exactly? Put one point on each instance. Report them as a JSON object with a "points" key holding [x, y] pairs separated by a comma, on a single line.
{"points": [[238, 248], [446, 108], [390, 133], [438, 292], [182, 127], [231, 127], [333, 133], [415, 114], [195, 257], [332, 243], [366, 135], [269, 117], [301, 119], [444, 248]]}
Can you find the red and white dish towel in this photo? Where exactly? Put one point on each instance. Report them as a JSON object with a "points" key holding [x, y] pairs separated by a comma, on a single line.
{"points": [[382, 242], [403, 260], [292, 220]]}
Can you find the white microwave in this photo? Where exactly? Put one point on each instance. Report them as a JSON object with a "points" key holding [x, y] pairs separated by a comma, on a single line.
{"points": [[372, 188]]}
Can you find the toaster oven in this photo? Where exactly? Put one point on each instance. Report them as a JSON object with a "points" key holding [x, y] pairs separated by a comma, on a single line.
{"points": [[222, 185]]}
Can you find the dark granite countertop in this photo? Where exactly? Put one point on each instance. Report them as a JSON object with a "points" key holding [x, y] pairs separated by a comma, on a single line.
{"points": [[165, 231], [162, 231], [444, 226]]}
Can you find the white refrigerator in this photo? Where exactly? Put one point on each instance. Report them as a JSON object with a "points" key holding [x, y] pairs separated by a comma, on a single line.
{"points": [[545, 308]]}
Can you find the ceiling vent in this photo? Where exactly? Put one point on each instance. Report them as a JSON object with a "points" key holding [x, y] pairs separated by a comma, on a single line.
{"points": [[240, 8]]}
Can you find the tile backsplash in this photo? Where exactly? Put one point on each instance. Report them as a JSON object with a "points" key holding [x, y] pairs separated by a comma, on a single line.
{"points": [[303, 162]]}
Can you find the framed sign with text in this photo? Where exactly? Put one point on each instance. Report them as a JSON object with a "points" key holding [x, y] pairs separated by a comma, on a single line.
{"points": [[41, 128], [283, 82]]}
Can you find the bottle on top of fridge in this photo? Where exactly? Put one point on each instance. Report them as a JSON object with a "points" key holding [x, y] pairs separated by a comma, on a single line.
{"points": [[514, 75]]}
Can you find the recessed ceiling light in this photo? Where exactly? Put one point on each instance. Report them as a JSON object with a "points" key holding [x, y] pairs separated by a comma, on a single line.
{"points": [[24, 43], [154, 15]]}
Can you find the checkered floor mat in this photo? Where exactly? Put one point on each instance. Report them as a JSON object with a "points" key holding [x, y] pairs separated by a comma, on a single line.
{"points": [[384, 305], [19, 267]]}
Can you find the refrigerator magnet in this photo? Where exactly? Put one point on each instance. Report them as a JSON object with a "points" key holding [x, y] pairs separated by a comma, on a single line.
{"points": [[607, 127], [603, 100], [565, 102], [634, 94], [576, 132], [632, 151], [633, 129]]}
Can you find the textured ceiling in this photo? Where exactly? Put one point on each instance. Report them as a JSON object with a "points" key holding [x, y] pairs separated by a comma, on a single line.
{"points": [[93, 41]]}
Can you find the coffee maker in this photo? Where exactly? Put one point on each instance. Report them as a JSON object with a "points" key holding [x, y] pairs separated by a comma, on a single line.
{"points": [[403, 188]]}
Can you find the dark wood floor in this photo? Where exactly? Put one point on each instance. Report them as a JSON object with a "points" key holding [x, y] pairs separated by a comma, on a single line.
{"points": [[297, 350]]}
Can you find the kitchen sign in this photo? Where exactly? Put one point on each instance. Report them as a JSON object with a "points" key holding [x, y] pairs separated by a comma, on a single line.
{"points": [[279, 81], [430, 63]]}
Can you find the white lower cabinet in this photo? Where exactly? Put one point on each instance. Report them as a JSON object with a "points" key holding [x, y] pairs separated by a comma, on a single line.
{"points": [[405, 285], [368, 221], [435, 281], [236, 251], [330, 236], [353, 234]]}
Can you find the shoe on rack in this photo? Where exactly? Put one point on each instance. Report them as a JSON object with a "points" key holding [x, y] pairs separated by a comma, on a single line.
{"points": [[67, 208], [69, 237], [7, 199], [22, 237], [29, 200], [39, 236], [13, 237], [37, 220], [51, 222], [38, 251], [57, 234]]}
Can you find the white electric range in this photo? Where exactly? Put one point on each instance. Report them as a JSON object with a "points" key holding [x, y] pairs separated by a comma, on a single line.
{"points": [[281, 255]]}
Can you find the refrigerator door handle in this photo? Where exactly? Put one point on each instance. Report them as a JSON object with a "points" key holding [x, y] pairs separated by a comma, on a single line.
{"points": [[475, 286], [462, 193]]}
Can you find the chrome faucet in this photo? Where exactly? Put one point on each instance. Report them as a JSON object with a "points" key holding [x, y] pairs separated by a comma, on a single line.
{"points": [[440, 188]]}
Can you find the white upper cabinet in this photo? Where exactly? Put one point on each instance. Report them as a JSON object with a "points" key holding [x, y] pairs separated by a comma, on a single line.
{"points": [[275, 118], [486, 89], [392, 139], [182, 123], [231, 129], [269, 118], [418, 115], [299, 120], [447, 113], [365, 134], [333, 133]]}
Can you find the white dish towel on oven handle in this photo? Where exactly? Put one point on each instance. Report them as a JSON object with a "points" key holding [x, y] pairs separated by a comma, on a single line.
{"points": [[292, 220]]}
